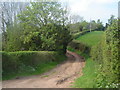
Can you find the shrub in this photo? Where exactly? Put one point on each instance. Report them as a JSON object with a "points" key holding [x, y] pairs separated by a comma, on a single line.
{"points": [[96, 52], [78, 34], [108, 54], [79, 46], [16, 61]]}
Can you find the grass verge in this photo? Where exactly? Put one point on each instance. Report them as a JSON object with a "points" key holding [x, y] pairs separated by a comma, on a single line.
{"points": [[89, 72]]}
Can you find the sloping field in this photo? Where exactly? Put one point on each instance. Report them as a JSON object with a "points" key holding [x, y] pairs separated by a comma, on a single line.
{"points": [[89, 71], [91, 38]]}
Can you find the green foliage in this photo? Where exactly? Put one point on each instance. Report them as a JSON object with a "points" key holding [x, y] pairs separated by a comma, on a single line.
{"points": [[108, 55], [78, 27], [51, 37], [97, 53], [77, 35], [89, 75], [86, 41], [85, 26], [27, 61], [31, 41], [99, 26], [42, 13], [111, 20], [13, 42], [41, 27], [56, 38], [90, 70], [79, 46]]}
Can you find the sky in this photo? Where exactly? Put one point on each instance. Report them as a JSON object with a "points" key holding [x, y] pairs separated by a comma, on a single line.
{"points": [[89, 9], [93, 9]]}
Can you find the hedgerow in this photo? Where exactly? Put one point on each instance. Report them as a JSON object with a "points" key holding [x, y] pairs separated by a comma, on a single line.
{"points": [[76, 35], [79, 46], [15, 62], [107, 55]]}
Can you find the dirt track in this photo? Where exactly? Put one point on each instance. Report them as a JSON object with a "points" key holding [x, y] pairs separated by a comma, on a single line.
{"points": [[60, 77]]}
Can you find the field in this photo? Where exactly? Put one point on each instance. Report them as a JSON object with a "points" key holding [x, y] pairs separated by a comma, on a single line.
{"points": [[89, 72], [91, 39]]}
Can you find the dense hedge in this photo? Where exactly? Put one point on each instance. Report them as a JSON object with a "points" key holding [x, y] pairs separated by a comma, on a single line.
{"points": [[15, 61], [96, 52], [79, 46], [78, 34], [75, 44], [107, 57]]}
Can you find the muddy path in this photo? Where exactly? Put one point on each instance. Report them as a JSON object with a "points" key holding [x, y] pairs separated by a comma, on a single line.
{"points": [[60, 77]]}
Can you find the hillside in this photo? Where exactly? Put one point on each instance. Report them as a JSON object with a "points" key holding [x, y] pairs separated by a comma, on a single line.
{"points": [[92, 38], [89, 72]]}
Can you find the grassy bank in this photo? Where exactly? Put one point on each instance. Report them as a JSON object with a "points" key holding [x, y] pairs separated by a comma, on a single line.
{"points": [[26, 63], [87, 80], [91, 38], [90, 70]]}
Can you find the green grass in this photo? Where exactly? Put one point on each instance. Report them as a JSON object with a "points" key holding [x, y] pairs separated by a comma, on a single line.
{"points": [[90, 69], [42, 68], [78, 52], [91, 38], [89, 72], [87, 80]]}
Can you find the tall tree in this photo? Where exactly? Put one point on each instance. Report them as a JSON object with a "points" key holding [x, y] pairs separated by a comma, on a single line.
{"points": [[8, 16], [42, 13], [99, 25], [44, 27], [76, 19], [110, 21]]}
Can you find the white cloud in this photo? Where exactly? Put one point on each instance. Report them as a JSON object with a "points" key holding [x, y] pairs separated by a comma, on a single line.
{"points": [[95, 9], [81, 5], [106, 1]]}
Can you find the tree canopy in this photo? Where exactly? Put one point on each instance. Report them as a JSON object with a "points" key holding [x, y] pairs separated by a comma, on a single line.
{"points": [[42, 27]]}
